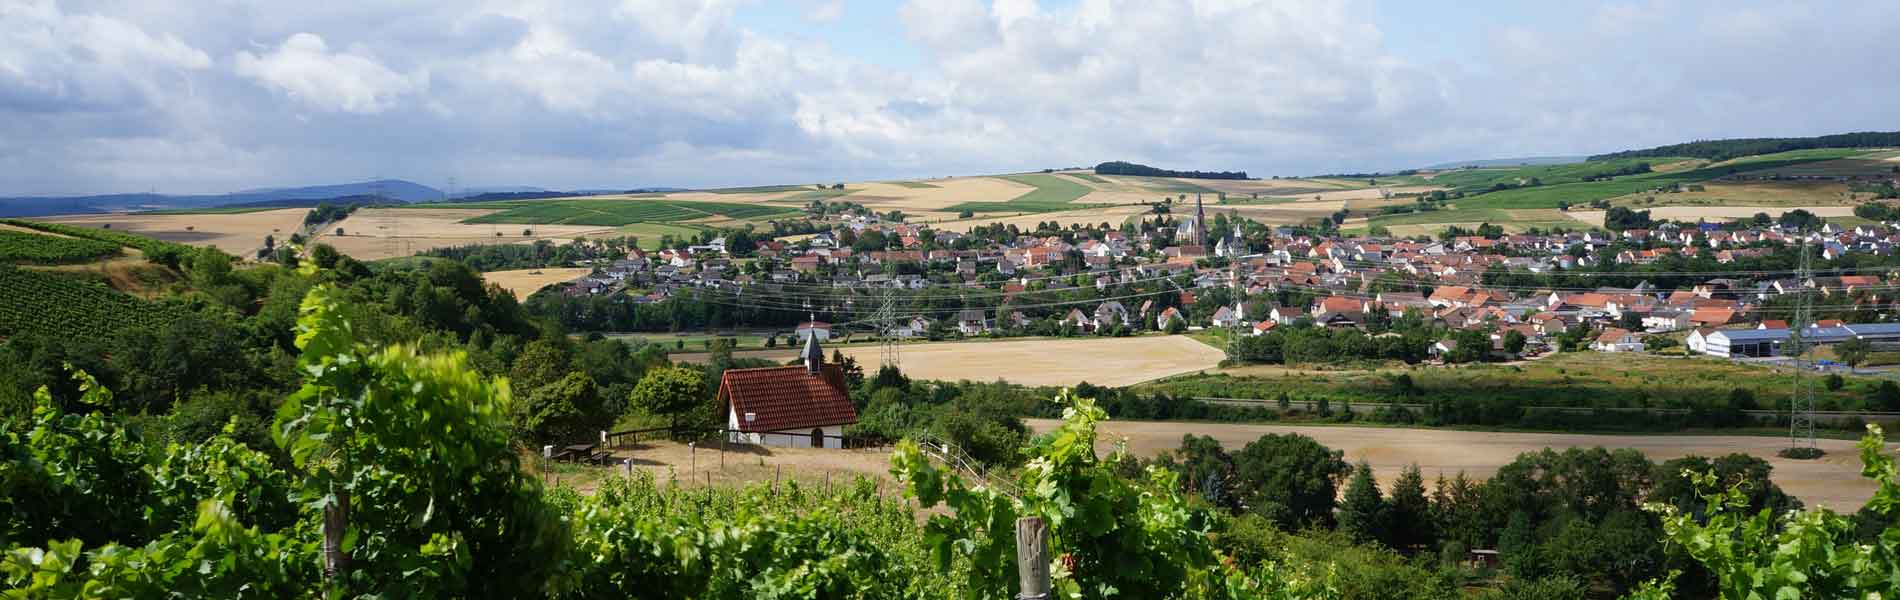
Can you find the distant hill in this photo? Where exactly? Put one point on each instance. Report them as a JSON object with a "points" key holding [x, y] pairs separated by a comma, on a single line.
{"points": [[1509, 162], [393, 189], [1719, 150]]}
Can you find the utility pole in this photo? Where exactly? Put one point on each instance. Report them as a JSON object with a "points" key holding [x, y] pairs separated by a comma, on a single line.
{"points": [[1801, 401]]}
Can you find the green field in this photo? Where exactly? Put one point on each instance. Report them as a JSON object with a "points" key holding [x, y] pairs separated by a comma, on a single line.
{"points": [[1089, 177], [1052, 193], [1548, 195], [1487, 206], [613, 213], [650, 233], [55, 305], [144, 244], [31, 248], [1565, 379]]}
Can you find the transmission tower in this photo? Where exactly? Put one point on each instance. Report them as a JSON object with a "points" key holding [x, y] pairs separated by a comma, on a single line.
{"points": [[1233, 331], [886, 320], [1801, 401]]}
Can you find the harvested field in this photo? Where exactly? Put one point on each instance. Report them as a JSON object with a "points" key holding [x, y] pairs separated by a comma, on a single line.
{"points": [[525, 282], [1034, 362], [378, 233], [1101, 361], [241, 234], [1833, 481], [1690, 213]]}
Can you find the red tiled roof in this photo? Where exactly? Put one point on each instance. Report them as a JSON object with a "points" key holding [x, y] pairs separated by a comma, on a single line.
{"points": [[787, 398]]}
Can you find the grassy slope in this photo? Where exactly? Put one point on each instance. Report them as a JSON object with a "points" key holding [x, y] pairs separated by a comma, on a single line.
{"points": [[915, 184], [1051, 194], [1486, 206]]}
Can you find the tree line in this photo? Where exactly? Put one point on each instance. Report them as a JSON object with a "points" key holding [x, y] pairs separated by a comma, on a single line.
{"points": [[1128, 168], [1719, 150]]}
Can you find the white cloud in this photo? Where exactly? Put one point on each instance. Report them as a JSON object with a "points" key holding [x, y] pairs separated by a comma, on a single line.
{"points": [[828, 11], [304, 68], [677, 92], [55, 61]]}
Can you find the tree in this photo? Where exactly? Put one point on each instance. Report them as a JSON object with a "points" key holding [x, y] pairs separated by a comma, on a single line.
{"points": [[562, 412], [1176, 326], [1518, 544], [1206, 469], [1289, 479], [1886, 396], [1853, 351], [1834, 382], [1410, 521], [670, 391], [1514, 342], [1363, 514]]}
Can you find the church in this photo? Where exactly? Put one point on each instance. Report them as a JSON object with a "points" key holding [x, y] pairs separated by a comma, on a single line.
{"points": [[1192, 231], [797, 406]]}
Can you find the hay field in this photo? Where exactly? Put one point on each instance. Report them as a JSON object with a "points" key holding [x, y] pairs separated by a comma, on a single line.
{"points": [[1833, 481], [241, 234], [1101, 361], [525, 282], [1689, 213], [378, 233]]}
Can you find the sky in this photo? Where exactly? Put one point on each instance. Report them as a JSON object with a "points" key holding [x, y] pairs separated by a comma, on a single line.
{"points": [[209, 96]]}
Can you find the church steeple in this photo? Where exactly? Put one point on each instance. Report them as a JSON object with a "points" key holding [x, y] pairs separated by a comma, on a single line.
{"points": [[814, 356]]}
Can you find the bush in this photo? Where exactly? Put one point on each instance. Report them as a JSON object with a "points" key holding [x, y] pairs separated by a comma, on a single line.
{"points": [[1801, 453]]}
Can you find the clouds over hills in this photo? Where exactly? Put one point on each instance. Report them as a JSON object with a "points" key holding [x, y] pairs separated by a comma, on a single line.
{"points": [[109, 95]]}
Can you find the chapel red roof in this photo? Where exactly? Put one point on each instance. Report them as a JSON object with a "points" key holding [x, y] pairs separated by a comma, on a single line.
{"points": [[787, 398]]}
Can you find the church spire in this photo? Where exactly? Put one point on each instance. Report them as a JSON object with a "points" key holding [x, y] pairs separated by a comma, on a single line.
{"points": [[814, 356]]}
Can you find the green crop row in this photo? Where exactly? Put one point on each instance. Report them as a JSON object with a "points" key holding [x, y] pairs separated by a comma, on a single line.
{"points": [[30, 248]]}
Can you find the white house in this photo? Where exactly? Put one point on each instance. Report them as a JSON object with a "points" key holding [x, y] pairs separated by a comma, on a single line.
{"points": [[1616, 339], [799, 406]]}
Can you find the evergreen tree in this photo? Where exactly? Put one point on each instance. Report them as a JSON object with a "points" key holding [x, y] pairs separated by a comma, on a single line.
{"points": [[1364, 513], [1518, 544], [1411, 520]]}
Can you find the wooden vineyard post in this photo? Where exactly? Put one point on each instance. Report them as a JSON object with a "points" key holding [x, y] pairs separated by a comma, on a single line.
{"points": [[1032, 558]]}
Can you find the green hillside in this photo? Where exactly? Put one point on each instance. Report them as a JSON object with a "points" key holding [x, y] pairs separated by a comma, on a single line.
{"points": [[1052, 193], [29, 248], [50, 304]]}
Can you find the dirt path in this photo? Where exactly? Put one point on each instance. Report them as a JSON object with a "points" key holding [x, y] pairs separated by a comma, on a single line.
{"points": [[1833, 481]]}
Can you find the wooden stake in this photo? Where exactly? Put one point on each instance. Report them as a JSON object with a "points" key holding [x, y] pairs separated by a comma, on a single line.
{"points": [[1032, 558]]}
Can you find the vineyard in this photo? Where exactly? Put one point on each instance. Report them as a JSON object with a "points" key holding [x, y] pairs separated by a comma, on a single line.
{"points": [[401, 476], [614, 213], [44, 303], [144, 244], [27, 248]]}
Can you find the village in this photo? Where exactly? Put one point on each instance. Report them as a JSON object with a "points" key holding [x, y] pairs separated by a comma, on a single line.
{"points": [[1199, 272]]}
